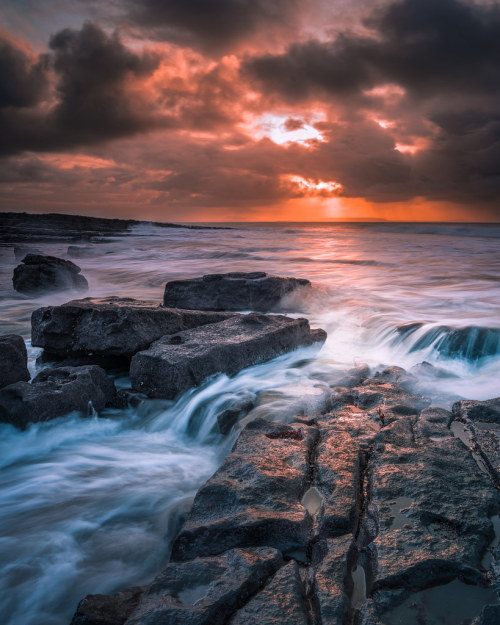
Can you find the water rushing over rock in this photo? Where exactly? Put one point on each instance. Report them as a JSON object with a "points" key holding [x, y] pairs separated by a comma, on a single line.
{"points": [[92, 505]]}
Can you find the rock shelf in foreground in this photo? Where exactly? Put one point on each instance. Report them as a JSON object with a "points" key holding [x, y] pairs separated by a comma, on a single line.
{"points": [[178, 362], [231, 291], [358, 515]]}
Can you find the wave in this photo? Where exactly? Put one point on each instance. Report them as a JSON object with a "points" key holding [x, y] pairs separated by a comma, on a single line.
{"points": [[470, 343]]}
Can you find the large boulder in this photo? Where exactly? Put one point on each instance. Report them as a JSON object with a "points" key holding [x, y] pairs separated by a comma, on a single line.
{"points": [[14, 360], [56, 392], [110, 326], [39, 274], [176, 363], [231, 291]]}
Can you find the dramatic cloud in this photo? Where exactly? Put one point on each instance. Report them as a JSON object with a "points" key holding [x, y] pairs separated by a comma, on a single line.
{"points": [[228, 108], [212, 25], [94, 99]]}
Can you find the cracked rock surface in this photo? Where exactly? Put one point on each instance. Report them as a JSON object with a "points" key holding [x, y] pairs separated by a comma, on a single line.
{"points": [[375, 513]]}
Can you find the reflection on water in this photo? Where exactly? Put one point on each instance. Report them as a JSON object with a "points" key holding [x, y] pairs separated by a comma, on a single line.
{"points": [[91, 505]]}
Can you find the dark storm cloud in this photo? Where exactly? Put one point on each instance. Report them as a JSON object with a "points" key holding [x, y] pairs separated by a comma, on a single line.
{"points": [[93, 103], [23, 82], [445, 55], [212, 25], [426, 46]]}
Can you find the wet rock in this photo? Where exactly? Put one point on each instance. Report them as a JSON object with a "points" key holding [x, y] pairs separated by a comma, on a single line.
{"points": [[487, 411], [254, 498], [280, 601], [354, 376], [21, 252], [330, 581], [238, 409], [77, 251], [489, 616], [205, 591], [390, 401], [14, 360], [174, 364], [56, 392], [231, 291], [39, 274], [107, 609], [429, 531], [339, 461], [426, 370], [396, 375], [110, 326]]}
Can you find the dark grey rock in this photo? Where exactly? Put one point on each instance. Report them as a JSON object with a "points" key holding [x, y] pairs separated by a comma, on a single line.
{"points": [[257, 291], [255, 497], [280, 601], [486, 411], [110, 326], [56, 392], [239, 408], [388, 400], [355, 376], [330, 581], [432, 503], [174, 364], [47, 274], [205, 591], [13, 360], [426, 370], [107, 609], [396, 375]]}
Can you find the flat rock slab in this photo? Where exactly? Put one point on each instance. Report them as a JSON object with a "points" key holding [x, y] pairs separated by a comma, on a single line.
{"points": [[174, 364], [38, 274], [433, 504], [13, 360], [231, 291], [110, 326], [280, 601], [255, 497], [55, 392], [205, 591]]}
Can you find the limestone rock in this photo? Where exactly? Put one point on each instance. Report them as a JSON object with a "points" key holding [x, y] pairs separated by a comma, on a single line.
{"points": [[257, 291], [39, 274]]}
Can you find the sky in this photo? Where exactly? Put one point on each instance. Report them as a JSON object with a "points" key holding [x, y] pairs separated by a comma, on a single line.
{"points": [[251, 110]]}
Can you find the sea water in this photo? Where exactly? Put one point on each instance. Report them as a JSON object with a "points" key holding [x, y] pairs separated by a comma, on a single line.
{"points": [[91, 505]]}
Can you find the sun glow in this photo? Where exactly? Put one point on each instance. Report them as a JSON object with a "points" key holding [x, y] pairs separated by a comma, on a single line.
{"points": [[284, 129], [308, 186]]}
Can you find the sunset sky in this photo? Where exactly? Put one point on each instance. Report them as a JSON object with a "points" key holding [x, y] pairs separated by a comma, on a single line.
{"points": [[208, 110]]}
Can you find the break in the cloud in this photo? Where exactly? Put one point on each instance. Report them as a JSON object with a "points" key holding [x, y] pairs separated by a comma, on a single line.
{"points": [[263, 109]]}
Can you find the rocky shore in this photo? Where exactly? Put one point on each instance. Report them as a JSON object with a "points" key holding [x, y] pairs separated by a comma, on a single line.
{"points": [[373, 508], [368, 514]]}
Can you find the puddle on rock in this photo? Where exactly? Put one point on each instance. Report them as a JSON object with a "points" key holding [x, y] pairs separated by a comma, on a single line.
{"points": [[312, 500], [190, 596], [451, 604], [488, 556], [459, 430], [399, 504], [359, 587]]}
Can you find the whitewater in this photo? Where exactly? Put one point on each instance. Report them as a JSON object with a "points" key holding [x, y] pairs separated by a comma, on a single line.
{"points": [[91, 505]]}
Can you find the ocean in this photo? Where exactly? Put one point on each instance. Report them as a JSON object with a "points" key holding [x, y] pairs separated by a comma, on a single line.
{"points": [[91, 505]]}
